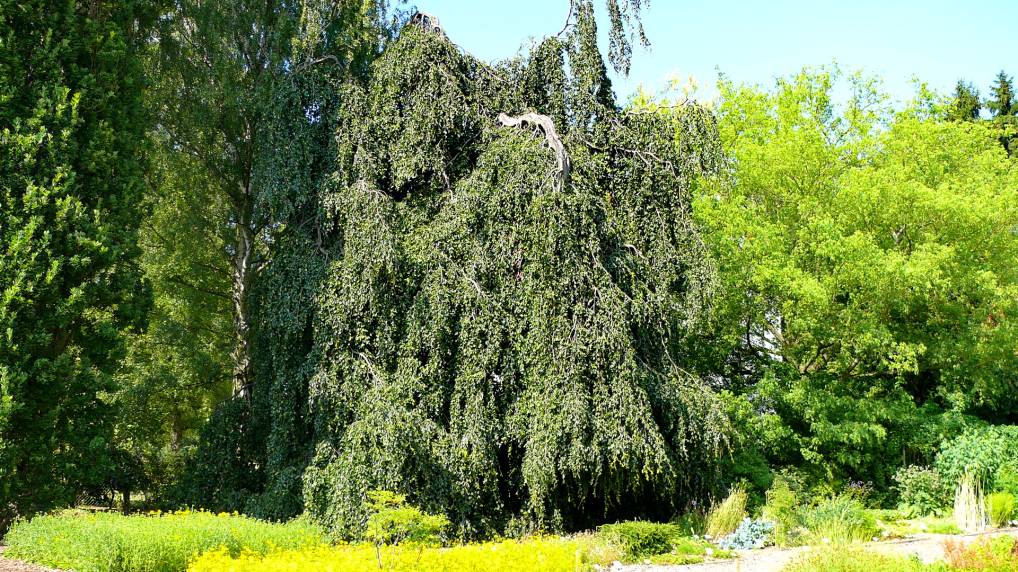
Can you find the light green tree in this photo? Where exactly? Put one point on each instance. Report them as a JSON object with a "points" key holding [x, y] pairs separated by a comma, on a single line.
{"points": [[867, 261]]}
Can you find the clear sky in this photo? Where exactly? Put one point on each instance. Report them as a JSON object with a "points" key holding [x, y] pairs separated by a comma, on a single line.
{"points": [[936, 41]]}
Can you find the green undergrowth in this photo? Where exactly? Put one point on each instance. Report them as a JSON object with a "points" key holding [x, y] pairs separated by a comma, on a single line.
{"points": [[640, 541], [397, 540], [857, 560], [999, 554], [896, 524], [156, 542]]}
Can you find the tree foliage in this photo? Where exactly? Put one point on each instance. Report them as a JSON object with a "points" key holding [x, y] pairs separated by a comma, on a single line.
{"points": [[868, 283], [1004, 109], [1002, 102], [72, 126], [967, 105], [495, 346], [242, 89]]}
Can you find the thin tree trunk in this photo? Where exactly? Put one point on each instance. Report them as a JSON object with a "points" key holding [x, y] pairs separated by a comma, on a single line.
{"points": [[176, 430], [242, 273]]}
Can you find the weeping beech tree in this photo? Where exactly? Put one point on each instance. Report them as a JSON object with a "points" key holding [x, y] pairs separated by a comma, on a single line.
{"points": [[485, 301], [499, 328]]}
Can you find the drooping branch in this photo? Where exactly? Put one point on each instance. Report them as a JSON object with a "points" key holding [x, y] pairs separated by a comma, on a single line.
{"points": [[546, 125]]}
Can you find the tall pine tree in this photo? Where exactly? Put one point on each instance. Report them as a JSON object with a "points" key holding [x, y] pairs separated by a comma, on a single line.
{"points": [[1002, 101], [72, 124], [966, 102], [1005, 111]]}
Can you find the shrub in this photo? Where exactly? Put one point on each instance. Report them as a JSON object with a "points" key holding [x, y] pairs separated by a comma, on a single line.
{"points": [[724, 518], [984, 555], [535, 555], [781, 509], [750, 535], [841, 518], [638, 539], [981, 452], [392, 521], [921, 490], [664, 544], [152, 543], [1000, 508], [1007, 479], [854, 560]]}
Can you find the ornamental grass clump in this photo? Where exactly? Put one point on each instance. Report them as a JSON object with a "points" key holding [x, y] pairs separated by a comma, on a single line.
{"points": [[639, 539], [970, 505], [839, 519], [1000, 508], [725, 517], [155, 542]]}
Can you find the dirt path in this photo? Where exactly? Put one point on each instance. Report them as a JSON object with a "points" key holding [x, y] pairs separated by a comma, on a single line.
{"points": [[927, 547], [8, 565]]}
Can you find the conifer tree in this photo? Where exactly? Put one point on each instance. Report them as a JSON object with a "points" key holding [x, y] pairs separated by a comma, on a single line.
{"points": [[1002, 102], [967, 104]]}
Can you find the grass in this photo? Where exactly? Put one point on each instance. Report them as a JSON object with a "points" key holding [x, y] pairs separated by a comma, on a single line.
{"points": [[839, 519], [986, 555], [939, 526], [724, 518], [1000, 508], [157, 542], [893, 524], [848, 559]]}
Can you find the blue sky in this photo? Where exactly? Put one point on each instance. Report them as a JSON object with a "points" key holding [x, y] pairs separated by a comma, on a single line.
{"points": [[937, 41]]}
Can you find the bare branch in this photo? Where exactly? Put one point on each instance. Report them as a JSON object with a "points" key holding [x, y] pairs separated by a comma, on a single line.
{"points": [[546, 125]]}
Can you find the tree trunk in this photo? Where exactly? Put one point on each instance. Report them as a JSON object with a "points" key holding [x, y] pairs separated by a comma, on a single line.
{"points": [[242, 273], [176, 430]]}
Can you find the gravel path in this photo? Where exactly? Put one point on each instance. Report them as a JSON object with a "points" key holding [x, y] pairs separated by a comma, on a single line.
{"points": [[928, 547], [8, 565]]}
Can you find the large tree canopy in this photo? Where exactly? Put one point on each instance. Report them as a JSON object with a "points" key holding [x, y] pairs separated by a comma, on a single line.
{"points": [[72, 128], [492, 307], [868, 277]]}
